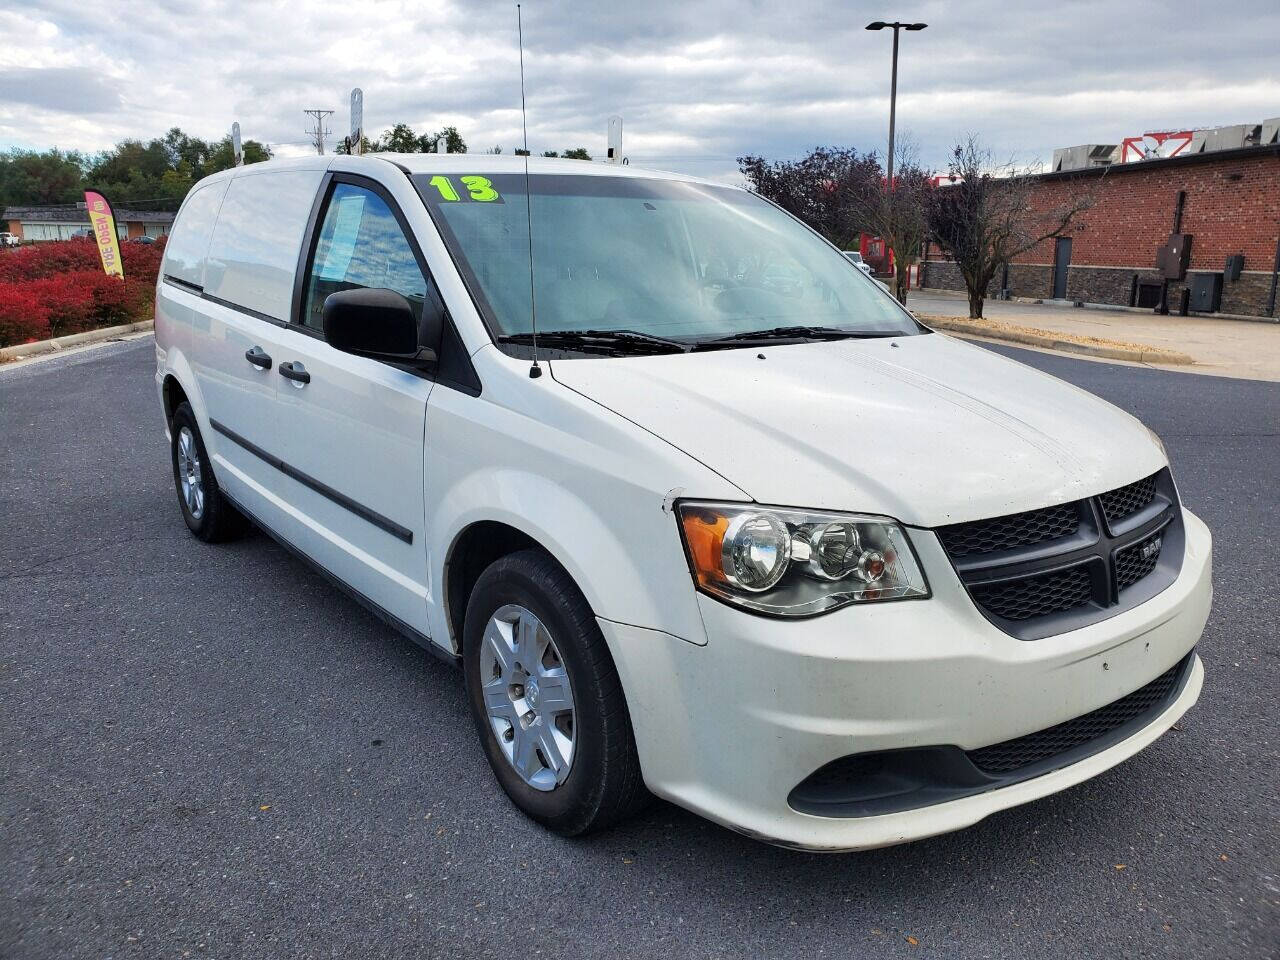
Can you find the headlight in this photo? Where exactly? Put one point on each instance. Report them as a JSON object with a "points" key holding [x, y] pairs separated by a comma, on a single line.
{"points": [[797, 563]]}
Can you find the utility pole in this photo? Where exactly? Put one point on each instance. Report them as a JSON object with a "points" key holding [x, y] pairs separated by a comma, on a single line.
{"points": [[320, 131]]}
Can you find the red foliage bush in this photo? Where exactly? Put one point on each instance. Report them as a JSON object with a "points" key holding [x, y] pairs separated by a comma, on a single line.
{"points": [[67, 302], [53, 289], [38, 260], [22, 317], [142, 260]]}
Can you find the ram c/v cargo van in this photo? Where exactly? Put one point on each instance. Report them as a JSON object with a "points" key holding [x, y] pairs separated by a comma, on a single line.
{"points": [[698, 508]]}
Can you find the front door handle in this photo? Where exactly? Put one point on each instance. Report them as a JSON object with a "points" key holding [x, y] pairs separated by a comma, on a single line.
{"points": [[258, 357], [292, 370]]}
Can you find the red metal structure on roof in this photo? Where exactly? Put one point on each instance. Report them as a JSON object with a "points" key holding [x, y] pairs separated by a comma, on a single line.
{"points": [[1165, 143]]}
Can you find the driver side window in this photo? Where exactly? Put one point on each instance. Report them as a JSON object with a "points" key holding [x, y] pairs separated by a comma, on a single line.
{"points": [[361, 245]]}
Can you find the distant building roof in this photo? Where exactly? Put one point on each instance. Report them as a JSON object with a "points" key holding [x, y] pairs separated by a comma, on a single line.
{"points": [[1257, 152], [73, 213]]}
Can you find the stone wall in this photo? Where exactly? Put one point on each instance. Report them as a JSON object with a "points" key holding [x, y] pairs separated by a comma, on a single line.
{"points": [[1246, 296]]}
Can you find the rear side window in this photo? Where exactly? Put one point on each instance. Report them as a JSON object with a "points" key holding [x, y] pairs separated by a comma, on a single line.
{"points": [[254, 251], [361, 245], [184, 253]]}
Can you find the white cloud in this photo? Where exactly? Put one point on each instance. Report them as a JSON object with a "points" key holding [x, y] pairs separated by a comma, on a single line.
{"points": [[698, 83]]}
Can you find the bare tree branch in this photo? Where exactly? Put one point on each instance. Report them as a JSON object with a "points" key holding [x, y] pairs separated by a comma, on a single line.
{"points": [[989, 214], [899, 214]]}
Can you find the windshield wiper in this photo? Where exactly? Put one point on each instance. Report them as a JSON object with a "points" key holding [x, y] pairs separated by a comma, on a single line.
{"points": [[798, 333], [600, 341]]}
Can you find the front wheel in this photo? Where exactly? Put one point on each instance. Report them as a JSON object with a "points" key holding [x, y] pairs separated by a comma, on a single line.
{"points": [[546, 698]]}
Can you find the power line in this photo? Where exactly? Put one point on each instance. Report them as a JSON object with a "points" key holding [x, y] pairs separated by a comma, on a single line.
{"points": [[320, 131]]}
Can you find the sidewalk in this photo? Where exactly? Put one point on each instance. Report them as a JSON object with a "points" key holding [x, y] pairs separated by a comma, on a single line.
{"points": [[1225, 348]]}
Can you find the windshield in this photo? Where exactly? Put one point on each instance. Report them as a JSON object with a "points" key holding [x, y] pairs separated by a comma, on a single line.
{"points": [[681, 261]]}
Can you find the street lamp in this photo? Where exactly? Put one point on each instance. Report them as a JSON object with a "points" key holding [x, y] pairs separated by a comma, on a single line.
{"points": [[893, 89]]}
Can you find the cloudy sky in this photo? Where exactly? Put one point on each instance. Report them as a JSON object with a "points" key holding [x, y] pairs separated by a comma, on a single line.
{"points": [[698, 83]]}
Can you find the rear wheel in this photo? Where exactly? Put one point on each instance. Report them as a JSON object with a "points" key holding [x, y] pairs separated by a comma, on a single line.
{"points": [[546, 698], [207, 512]]}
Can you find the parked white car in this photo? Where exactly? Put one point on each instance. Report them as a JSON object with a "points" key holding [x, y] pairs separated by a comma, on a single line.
{"points": [[9, 240], [733, 527], [854, 257]]}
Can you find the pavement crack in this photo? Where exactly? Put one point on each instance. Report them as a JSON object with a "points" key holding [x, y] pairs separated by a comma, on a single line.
{"points": [[35, 568]]}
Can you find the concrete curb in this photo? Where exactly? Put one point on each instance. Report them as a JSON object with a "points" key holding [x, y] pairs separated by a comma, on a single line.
{"points": [[1089, 305], [24, 350], [1049, 341]]}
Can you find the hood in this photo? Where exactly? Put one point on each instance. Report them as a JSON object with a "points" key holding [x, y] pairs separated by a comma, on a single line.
{"points": [[926, 429]]}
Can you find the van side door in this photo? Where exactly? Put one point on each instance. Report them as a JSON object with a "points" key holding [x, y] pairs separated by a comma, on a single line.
{"points": [[352, 428], [236, 337]]}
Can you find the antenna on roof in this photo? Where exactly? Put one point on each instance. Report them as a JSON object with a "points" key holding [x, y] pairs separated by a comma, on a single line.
{"points": [[535, 371]]}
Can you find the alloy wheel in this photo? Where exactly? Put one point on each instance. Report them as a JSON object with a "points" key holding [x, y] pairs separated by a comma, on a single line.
{"points": [[189, 477], [528, 697]]}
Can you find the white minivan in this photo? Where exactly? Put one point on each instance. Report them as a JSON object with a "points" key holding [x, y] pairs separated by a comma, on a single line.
{"points": [[697, 507]]}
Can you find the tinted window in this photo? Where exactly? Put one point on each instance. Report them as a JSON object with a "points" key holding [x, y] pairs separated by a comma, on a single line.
{"points": [[254, 251], [361, 245], [184, 254]]}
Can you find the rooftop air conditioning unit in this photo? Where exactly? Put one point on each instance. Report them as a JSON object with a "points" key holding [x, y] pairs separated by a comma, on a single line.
{"points": [[1228, 138], [1085, 156]]}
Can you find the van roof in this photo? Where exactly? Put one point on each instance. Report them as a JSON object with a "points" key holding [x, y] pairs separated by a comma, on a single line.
{"points": [[459, 163], [501, 163]]}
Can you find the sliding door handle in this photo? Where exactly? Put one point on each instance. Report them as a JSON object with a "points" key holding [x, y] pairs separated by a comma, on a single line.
{"points": [[258, 357], [292, 370]]}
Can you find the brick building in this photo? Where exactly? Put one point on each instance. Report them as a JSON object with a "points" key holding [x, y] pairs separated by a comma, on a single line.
{"points": [[72, 219], [1231, 207]]}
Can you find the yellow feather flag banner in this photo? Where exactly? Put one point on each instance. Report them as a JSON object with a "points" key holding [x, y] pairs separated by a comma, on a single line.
{"points": [[103, 223]]}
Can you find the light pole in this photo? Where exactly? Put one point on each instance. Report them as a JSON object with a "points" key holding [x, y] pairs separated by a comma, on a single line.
{"points": [[893, 88]]}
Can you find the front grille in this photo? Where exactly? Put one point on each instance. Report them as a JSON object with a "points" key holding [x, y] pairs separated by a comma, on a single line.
{"points": [[1015, 530], [1135, 562], [1128, 500], [1046, 571], [1036, 596], [1012, 755]]}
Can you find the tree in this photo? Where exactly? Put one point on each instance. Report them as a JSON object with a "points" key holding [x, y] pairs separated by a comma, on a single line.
{"points": [[987, 216], [827, 189], [160, 172], [402, 139], [577, 153], [156, 173], [366, 145], [31, 178], [899, 214], [221, 155], [453, 139]]}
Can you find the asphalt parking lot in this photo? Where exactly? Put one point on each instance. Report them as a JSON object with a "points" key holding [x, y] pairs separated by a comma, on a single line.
{"points": [[208, 752]]}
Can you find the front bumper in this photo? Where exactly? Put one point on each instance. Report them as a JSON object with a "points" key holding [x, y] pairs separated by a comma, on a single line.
{"points": [[730, 728]]}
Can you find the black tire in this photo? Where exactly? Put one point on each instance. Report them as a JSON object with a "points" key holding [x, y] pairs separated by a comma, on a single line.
{"points": [[604, 784], [217, 520]]}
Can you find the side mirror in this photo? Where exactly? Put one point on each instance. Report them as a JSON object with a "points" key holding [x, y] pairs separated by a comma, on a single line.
{"points": [[372, 322]]}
